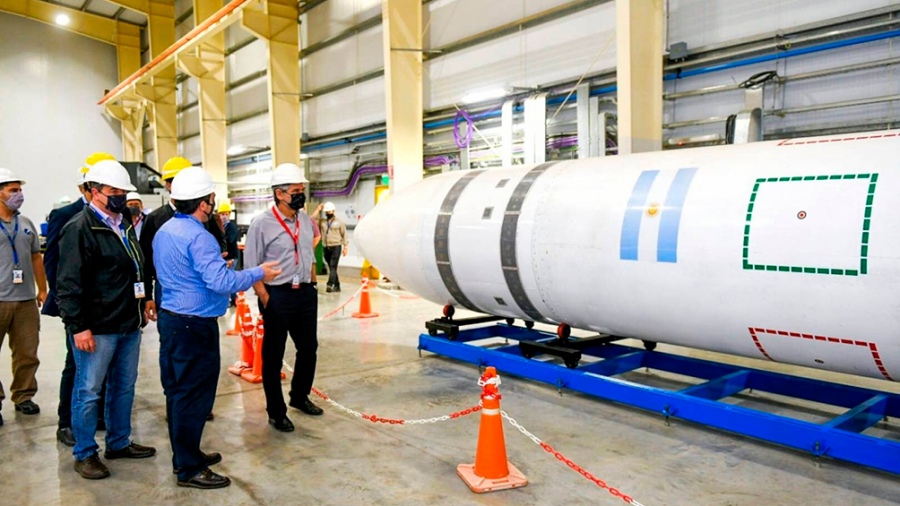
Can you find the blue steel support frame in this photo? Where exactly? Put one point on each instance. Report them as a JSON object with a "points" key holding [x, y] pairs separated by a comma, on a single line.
{"points": [[840, 438]]}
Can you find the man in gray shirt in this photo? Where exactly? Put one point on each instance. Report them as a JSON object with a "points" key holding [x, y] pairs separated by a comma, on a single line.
{"points": [[21, 268], [289, 303]]}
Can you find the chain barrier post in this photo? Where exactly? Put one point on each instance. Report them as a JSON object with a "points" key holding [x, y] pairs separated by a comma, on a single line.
{"points": [[491, 470]]}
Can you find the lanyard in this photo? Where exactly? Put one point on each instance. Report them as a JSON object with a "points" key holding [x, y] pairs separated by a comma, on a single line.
{"points": [[328, 229], [12, 240], [123, 237], [295, 236]]}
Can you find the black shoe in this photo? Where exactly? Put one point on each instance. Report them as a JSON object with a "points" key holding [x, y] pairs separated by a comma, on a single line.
{"points": [[336, 289], [91, 468], [307, 407], [283, 425], [1, 419], [210, 459], [210, 417], [329, 289], [206, 480], [28, 408], [132, 451], [65, 436], [101, 424]]}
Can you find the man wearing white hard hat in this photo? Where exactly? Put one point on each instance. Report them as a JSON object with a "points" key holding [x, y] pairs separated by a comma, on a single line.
{"points": [[335, 243], [21, 270], [196, 284], [101, 298], [136, 211], [55, 223], [289, 303]]}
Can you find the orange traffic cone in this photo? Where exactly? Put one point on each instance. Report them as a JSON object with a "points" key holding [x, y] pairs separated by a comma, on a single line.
{"points": [[491, 470], [247, 332], [365, 305], [240, 302], [254, 374]]}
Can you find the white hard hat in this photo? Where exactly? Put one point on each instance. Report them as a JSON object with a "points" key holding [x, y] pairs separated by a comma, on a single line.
{"points": [[82, 175], [287, 173], [133, 196], [110, 173], [328, 207], [8, 176], [192, 183]]}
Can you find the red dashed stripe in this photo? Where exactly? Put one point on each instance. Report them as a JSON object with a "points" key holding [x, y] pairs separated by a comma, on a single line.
{"points": [[791, 142], [873, 348]]}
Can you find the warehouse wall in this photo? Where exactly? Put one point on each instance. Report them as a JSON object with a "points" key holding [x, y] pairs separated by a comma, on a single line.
{"points": [[51, 80]]}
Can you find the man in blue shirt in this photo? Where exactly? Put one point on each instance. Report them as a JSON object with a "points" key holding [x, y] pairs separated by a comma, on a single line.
{"points": [[196, 283]]}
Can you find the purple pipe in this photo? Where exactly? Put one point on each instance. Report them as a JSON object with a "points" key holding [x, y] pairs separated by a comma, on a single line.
{"points": [[347, 190]]}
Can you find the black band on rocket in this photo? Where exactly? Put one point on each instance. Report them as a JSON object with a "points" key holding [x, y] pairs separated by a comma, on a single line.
{"points": [[508, 242], [442, 240]]}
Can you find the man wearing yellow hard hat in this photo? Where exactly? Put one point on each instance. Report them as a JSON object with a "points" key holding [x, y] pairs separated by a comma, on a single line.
{"points": [[152, 224]]}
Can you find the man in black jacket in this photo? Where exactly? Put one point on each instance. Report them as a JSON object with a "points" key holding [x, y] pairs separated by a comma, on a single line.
{"points": [[56, 222], [152, 224], [101, 298]]}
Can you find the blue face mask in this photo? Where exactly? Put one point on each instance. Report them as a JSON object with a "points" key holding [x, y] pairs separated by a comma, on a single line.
{"points": [[15, 201]]}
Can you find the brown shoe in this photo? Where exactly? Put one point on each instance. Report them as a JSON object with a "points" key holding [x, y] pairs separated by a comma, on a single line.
{"points": [[132, 451], [91, 468], [206, 480]]}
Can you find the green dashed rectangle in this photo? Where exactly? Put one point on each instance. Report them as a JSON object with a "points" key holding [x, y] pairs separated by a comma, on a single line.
{"points": [[864, 248]]}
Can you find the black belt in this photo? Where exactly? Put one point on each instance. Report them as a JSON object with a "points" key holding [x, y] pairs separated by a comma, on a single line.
{"points": [[188, 315], [289, 286]]}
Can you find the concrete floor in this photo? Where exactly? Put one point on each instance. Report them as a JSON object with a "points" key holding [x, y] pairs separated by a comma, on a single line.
{"points": [[373, 366]]}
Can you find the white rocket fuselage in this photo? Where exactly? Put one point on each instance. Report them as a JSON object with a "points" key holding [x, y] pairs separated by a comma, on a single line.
{"points": [[782, 250]]}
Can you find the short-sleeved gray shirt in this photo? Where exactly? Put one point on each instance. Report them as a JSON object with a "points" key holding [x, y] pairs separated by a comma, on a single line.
{"points": [[27, 243], [267, 241]]}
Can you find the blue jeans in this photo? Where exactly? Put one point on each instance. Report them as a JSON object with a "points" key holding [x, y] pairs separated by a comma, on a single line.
{"points": [[116, 359]]}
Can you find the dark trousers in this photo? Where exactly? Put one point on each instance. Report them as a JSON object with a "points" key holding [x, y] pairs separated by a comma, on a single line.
{"points": [[289, 311], [67, 386], [332, 257], [189, 363]]}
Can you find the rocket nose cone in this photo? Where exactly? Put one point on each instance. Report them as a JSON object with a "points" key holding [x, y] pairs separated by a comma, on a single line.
{"points": [[373, 226]]}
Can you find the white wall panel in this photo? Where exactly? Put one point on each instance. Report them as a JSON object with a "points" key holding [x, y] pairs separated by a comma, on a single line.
{"points": [[452, 20], [563, 49], [705, 22], [344, 60], [247, 60], [345, 109], [49, 118], [335, 16]]}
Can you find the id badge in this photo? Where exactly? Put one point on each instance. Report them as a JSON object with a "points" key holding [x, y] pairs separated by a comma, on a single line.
{"points": [[295, 281], [139, 292], [18, 276]]}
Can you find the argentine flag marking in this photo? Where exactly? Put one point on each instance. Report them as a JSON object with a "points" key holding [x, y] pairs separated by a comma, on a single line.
{"points": [[653, 216]]}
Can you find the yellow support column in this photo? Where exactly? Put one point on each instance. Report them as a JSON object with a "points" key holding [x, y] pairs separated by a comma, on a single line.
{"points": [[207, 65], [276, 22], [402, 22], [639, 46], [130, 112], [164, 117]]}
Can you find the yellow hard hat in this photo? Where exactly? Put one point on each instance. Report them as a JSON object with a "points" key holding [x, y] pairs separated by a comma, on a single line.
{"points": [[175, 165], [224, 207], [97, 157]]}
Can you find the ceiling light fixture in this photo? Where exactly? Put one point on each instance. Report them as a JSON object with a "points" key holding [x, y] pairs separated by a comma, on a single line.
{"points": [[62, 19]]}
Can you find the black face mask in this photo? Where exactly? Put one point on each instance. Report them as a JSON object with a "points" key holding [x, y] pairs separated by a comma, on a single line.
{"points": [[298, 200], [211, 209], [134, 210], [329, 215], [116, 203]]}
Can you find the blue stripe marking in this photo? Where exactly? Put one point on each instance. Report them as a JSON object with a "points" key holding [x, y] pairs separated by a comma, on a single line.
{"points": [[631, 225], [670, 219]]}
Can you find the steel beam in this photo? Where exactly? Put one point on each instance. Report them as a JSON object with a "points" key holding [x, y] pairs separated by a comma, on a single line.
{"points": [[402, 20], [164, 119], [90, 25], [639, 44], [276, 23]]}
